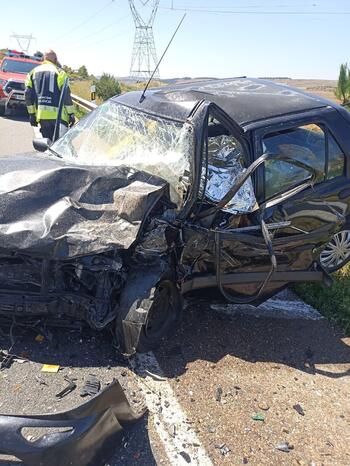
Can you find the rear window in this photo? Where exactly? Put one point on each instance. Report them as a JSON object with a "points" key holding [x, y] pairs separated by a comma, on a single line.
{"points": [[17, 66]]}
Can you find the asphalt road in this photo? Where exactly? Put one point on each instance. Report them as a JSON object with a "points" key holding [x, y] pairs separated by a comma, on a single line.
{"points": [[16, 135], [234, 385]]}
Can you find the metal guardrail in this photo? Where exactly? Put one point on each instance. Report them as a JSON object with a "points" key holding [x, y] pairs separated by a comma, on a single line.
{"points": [[84, 104]]}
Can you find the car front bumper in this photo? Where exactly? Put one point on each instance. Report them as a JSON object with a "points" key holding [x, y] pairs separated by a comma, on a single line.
{"points": [[88, 435], [13, 99]]}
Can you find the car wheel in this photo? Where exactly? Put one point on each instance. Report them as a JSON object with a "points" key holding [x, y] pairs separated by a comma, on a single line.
{"points": [[163, 314], [337, 252], [2, 110]]}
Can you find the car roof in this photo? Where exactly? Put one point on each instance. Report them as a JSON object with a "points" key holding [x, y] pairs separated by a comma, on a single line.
{"points": [[245, 100]]}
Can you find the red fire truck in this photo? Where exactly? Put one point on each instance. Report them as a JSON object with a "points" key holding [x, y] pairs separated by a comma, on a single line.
{"points": [[13, 71]]}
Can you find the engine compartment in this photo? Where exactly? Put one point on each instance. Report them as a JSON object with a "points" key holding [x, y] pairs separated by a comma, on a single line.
{"points": [[85, 288]]}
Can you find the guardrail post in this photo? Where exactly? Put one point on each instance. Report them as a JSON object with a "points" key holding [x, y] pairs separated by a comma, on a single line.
{"points": [[93, 93], [84, 104]]}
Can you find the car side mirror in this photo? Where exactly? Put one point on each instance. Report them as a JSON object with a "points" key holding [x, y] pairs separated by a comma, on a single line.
{"points": [[41, 144]]}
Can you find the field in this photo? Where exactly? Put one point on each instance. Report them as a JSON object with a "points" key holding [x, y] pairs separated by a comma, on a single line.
{"points": [[322, 87], [82, 87]]}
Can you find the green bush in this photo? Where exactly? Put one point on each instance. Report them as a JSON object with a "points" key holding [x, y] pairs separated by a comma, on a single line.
{"points": [[342, 91], [333, 302], [107, 86]]}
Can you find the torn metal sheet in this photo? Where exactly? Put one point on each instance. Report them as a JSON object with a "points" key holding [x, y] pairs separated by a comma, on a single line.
{"points": [[52, 208], [224, 166], [85, 436]]}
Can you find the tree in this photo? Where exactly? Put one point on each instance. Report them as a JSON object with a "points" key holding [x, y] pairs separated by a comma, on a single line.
{"points": [[107, 86], [342, 91], [68, 70], [83, 72]]}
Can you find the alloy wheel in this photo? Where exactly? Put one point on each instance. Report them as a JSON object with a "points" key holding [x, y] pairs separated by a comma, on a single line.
{"points": [[337, 252]]}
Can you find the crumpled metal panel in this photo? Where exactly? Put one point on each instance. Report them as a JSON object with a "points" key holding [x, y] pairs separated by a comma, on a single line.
{"points": [[91, 433], [224, 166], [51, 208], [115, 135]]}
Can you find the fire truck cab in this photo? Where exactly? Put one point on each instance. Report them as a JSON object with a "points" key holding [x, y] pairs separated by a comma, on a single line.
{"points": [[13, 71]]}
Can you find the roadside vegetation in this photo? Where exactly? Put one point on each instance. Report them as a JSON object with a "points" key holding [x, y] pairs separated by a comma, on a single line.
{"points": [[107, 86], [334, 301], [342, 91]]}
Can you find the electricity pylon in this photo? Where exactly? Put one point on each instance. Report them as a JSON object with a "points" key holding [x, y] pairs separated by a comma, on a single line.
{"points": [[144, 56], [23, 41]]}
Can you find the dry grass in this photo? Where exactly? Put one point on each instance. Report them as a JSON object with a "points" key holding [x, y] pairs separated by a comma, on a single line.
{"points": [[323, 87], [82, 87]]}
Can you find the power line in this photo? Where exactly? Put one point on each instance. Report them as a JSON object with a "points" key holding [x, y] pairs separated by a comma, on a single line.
{"points": [[256, 12], [244, 7], [103, 29], [79, 25], [104, 40]]}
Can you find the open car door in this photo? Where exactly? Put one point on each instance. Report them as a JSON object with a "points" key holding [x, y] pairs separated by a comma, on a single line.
{"points": [[250, 249]]}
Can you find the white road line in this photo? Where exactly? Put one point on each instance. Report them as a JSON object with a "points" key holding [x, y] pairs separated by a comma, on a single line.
{"points": [[170, 422]]}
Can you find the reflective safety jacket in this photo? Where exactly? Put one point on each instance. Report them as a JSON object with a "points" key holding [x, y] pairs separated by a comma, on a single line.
{"points": [[43, 89]]}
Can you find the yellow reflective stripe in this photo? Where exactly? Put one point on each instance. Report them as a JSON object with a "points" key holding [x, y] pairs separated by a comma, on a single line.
{"points": [[65, 116], [31, 109], [47, 108], [70, 109], [62, 76], [46, 112], [28, 82]]}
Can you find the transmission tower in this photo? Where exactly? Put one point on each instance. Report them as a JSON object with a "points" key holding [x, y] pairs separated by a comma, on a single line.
{"points": [[144, 56], [23, 41]]}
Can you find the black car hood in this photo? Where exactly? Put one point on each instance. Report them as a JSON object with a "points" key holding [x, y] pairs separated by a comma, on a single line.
{"points": [[55, 209]]}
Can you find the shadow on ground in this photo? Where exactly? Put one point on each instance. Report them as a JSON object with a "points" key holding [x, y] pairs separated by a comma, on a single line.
{"points": [[299, 343]]}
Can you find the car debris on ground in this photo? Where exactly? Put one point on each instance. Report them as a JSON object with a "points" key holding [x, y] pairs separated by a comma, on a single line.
{"points": [[91, 432]]}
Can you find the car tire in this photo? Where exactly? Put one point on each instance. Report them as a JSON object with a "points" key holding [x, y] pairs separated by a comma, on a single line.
{"points": [[2, 110], [336, 254], [164, 313]]}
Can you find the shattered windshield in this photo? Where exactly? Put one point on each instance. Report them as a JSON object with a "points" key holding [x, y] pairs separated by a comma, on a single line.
{"points": [[117, 135]]}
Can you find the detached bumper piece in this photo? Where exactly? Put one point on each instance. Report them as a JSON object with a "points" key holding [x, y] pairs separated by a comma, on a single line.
{"points": [[88, 435]]}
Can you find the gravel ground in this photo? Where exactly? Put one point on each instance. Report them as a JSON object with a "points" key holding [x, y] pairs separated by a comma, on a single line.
{"points": [[224, 369], [291, 375]]}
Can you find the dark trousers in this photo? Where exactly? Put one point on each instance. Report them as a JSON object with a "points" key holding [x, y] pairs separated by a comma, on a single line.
{"points": [[47, 128]]}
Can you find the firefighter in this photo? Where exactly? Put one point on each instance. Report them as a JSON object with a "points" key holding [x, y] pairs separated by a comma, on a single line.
{"points": [[43, 89]]}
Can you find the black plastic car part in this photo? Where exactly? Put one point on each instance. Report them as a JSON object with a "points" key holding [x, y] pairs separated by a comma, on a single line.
{"points": [[88, 434]]}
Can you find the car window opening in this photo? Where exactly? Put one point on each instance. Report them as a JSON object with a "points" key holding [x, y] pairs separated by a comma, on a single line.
{"points": [[226, 161]]}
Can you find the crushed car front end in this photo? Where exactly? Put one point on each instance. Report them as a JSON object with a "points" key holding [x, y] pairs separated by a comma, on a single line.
{"points": [[76, 226]]}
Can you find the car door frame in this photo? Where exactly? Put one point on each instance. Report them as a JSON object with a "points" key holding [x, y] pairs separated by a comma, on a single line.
{"points": [[243, 138], [199, 120]]}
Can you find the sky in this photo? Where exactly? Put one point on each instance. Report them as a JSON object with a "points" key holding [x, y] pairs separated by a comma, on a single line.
{"points": [[221, 38]]}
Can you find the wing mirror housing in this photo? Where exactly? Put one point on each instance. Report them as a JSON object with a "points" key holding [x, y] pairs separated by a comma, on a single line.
{"points": [[42, 144]]}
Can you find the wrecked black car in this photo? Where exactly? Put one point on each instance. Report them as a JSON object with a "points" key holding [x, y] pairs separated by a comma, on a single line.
{"points": [[230, 188]]}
